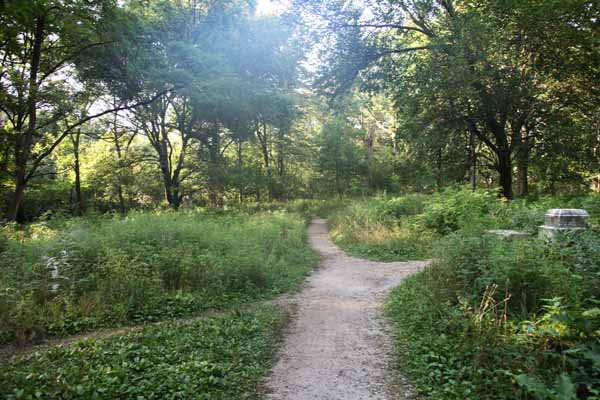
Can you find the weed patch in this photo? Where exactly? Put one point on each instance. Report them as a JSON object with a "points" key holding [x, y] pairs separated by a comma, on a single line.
{"points": [[106, 272], [213, 358]]}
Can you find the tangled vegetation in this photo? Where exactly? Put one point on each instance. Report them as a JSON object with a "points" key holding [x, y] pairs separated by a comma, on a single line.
{"points": [[491, 318], [146, 267]]}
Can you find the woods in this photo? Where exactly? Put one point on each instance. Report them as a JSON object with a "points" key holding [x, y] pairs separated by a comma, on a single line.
{"points": [[223, 106], [163, 163]]}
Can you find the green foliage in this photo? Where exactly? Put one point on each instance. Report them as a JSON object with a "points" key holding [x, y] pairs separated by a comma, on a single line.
{"points": [[339, 163], [382, 228], [500, 319], [220, 357], [570, 338], [145, 267], [454, 209]]}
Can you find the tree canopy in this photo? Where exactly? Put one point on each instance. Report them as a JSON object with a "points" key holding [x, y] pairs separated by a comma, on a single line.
{"points": [[112, 105]]}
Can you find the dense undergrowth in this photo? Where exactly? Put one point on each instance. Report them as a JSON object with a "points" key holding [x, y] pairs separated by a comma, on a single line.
{"points": [[491, 318], [145, 267], [408, 227], [220, 357]]}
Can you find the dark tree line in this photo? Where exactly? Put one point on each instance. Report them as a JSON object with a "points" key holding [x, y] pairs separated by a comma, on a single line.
{"points": [[504, 79]]}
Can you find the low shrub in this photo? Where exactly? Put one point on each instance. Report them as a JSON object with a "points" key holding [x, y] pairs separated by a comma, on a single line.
{"points": [[221, 357], [112, 271], [502, 319], [458, 208]]}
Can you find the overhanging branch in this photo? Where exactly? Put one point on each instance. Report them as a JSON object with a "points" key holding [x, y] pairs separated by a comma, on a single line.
{"points": [[36, 163]]}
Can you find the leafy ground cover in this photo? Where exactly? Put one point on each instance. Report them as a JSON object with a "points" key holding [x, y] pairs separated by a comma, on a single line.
{"points": [[146, 267], [222, 357], [402, 228], [491, 318]]}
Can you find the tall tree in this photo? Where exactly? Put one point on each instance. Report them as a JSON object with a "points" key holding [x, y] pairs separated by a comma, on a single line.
{"points": [[41, 40], [475, 59]]}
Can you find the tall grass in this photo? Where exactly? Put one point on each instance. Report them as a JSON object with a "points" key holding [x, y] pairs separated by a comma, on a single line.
{"points": [[382, 228], [146, 267], [409, 227], [490, 318]]}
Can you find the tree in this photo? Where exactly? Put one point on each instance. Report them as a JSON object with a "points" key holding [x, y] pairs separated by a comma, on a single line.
{"points": [[41, 40], [474, 59], [339, 156]]}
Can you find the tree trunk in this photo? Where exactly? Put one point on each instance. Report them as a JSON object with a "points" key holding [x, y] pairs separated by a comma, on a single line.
{"points": [[264, 145], [597, 150], [370, 144], [473, 160], [122, 208], [280, 154], [239, 150], [522, 175], [504, 169], [521, 148], [166, 175], [80, 208], [438, 178], [17, 198], [26, 140], [214, 164], [503, 151]]}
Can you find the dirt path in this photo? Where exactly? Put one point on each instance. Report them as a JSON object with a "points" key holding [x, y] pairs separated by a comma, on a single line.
{"points": [[336, 347]]}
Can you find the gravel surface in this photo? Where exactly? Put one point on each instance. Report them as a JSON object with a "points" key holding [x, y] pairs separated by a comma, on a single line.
{"points": [[337, 347]]}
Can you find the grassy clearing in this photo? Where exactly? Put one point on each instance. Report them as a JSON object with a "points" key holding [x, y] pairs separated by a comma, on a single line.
{"points": [[381, 228], [146, 267], [491, 318], [409, 227], [213, 358]]}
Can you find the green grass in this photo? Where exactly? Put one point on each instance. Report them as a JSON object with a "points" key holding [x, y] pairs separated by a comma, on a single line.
{"points": [[491, 318], [220, 357], [146, 267], [409, 227], [382, 229]]}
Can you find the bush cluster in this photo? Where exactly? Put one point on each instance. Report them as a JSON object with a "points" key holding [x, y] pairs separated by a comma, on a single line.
{"points": [[490, 318], [146, 267]]}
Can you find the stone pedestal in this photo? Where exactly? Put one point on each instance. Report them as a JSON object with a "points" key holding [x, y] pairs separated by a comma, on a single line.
{"points": [[509, 233], [561, 220]]}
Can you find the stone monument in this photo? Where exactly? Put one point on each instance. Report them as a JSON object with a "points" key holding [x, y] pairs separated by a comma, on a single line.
{"points": [[561, 220]]}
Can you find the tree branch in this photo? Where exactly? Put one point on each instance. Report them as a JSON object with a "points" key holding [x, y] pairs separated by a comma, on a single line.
{"points": [[61, 63], [43, 155], [382, 26]]}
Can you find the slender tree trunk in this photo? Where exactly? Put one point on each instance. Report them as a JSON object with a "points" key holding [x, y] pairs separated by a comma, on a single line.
{"points": [[75, 139], [214, 173], [597, 150], [264, 144], [370, 144], [280, 154], [438, 178], [122, 208], [171, 184], [25, 141], [473, 160], [240, 165], [521, 150]]}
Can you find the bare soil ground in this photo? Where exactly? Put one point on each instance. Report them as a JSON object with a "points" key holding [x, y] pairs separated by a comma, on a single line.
{"points": [[337, 347]]}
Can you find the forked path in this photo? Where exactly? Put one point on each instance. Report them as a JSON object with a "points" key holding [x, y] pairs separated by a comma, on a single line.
{"points": [[336, 347]]}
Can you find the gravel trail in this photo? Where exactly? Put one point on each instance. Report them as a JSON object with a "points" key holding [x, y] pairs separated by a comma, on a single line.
{"points": [[336, 347]]}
